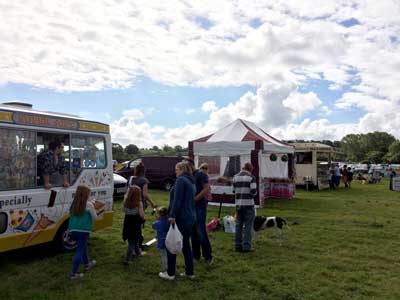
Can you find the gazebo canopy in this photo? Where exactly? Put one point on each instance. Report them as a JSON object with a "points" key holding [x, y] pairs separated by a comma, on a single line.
{"points": [[238, 137]]}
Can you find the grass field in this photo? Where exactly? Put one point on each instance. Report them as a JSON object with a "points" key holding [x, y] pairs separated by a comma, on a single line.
{"points": [[345, 246]]}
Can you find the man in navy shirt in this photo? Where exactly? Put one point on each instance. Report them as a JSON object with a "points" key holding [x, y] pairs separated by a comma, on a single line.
{"points": [[200, 239]]}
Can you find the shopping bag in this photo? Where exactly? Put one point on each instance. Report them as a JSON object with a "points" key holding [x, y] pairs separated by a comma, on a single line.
{"points": [[174, 239], [229, 224]]}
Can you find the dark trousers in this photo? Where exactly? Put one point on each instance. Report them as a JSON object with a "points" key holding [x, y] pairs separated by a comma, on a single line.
{"points": [[81, 254], [187, 253], [199, 235], [133, 245]]}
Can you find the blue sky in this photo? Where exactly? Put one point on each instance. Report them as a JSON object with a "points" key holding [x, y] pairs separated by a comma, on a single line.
{"points": [[165, 74]]}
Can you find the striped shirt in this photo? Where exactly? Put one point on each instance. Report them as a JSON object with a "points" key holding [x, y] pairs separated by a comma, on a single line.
{"points": [[245, 188]]}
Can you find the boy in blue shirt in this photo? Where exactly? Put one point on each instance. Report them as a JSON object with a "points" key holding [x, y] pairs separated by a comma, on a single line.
{"points": [[162, 226]]}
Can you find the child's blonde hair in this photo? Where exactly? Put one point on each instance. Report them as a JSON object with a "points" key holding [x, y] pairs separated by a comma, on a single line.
{"points": [[133, 197]]}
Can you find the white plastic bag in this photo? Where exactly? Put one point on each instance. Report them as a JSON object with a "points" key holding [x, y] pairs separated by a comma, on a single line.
{"points": [[174, 240], [229, 224]]}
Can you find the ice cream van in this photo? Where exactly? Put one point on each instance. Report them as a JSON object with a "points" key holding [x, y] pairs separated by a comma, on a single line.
{"points": [[37, 183]]}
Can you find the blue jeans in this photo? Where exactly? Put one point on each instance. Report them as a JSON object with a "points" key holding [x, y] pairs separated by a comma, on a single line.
{"points": [[200, 236], [81, 239], [187, 253], [245, 217]]}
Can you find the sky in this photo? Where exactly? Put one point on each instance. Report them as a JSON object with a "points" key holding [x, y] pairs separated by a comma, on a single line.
{"points": [[166, 72]]}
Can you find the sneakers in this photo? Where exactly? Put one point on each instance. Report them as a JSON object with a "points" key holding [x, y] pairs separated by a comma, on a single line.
{"points": [[141, 253], [90, 266], [164, 275], [188, 276], [76, 276], [127, 262], [210, 261]]}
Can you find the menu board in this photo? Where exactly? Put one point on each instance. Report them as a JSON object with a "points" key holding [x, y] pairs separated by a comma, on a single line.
{"points": [[17, 159]]}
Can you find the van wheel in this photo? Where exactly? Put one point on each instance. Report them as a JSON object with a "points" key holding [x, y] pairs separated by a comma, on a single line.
{"points": [[63, 240], [168, 185]]}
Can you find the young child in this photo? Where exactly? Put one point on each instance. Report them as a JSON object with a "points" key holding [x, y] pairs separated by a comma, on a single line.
{"points": [[82, 215], [162, 226], [134, 218]]}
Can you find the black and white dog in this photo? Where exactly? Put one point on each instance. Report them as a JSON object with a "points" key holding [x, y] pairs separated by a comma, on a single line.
{"points": [[262, 223]]}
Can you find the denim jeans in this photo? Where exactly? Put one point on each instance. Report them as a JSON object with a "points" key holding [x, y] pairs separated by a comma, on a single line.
{"points": [[200, 236], [133, 245], [164, 259], [187, 253], [81, 239], [245, 217]]}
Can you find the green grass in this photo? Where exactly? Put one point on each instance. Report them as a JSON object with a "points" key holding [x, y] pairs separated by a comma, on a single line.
{"points": [[345, 246]]}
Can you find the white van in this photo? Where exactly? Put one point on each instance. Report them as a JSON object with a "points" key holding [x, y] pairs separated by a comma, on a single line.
{"points": [[31, 214]]}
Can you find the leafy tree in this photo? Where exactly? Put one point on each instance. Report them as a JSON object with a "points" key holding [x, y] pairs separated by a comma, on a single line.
{"points": [[155, 148], [118, 152], [375, 157], [351, 146], [393, 156], [132, 149]]}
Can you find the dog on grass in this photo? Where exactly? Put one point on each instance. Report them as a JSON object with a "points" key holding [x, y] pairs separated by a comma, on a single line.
{"points": [[263, 223]]}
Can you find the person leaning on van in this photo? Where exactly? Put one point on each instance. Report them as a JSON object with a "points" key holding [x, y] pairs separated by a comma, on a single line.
{"points": [[50, 162]]}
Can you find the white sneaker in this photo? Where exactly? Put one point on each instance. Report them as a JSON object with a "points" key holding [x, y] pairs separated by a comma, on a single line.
{"points": [[164, 275], [76, 276], [188, 276], [90, 266]]}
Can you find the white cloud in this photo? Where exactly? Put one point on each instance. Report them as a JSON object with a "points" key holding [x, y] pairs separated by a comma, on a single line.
{"points": [[109, 44], [190, 111], [209, 106]]}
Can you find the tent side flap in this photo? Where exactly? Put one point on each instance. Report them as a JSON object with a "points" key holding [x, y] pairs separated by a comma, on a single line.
{"points": [[273, 148], [222, 148]]}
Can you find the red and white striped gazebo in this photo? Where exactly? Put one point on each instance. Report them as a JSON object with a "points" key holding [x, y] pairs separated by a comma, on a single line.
{"points": [[227, 150]]}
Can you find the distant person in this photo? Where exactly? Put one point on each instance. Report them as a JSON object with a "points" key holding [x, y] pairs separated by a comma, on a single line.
{"points": [[81, 218], [345, 178], [182, 212], [133, 220], [336, 176], [142, 182], [331, 178], [204, 168], [161, 225], [245, 189], [392, 175], [50, 162], [200, 241], [350, 176]]}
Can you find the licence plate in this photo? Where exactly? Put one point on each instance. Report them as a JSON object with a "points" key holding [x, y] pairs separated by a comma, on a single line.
{"points": [[121, 190]]}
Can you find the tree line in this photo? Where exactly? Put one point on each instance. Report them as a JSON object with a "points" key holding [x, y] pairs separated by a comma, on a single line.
{"points": [[374, 147], [132, 151]]}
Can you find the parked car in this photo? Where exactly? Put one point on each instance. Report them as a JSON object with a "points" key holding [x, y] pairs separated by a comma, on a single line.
{"points": [[160, 170], [120, 185]]}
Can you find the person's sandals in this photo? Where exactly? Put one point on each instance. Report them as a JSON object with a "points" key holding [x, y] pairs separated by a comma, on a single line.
{"points": [[76, 276], [90, 266]]}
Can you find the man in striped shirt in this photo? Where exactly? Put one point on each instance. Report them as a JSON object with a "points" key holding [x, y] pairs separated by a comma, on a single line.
{"points": [[245, 189]]}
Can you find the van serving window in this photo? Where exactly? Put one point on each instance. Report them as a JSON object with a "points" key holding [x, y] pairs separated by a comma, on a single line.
{"points": [[17, 159], [87, 152], [3, 222]]}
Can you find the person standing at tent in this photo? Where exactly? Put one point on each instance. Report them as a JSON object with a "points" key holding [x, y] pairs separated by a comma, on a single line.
{"points": [[199, 235], [245, 189], [182, 213]]}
